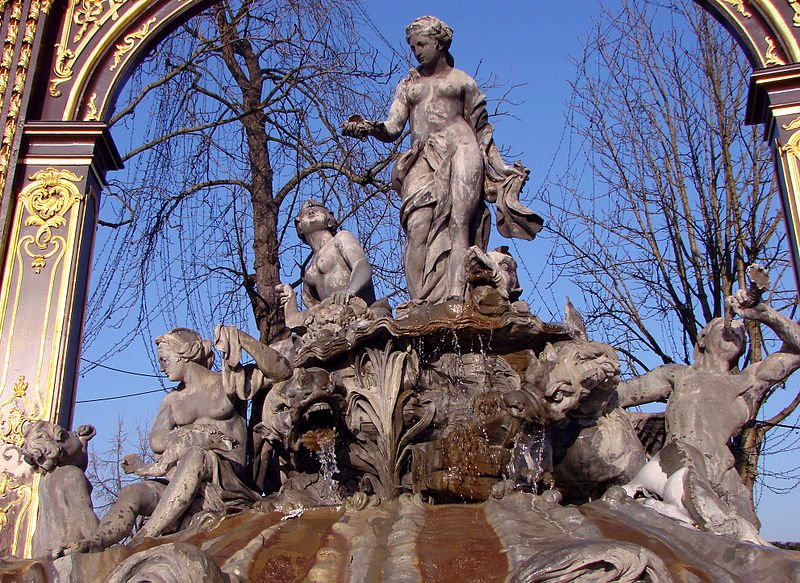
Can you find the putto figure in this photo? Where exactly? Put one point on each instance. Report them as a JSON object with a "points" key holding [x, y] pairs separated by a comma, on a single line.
{"points": [[60, 456], [452, 166]]}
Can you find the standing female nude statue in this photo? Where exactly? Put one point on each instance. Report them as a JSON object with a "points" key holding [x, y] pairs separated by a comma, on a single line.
{"points": [[452, 166]]}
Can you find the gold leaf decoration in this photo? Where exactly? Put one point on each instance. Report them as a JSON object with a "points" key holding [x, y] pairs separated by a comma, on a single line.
{"points": [[19, 73], [129, 42], [795, 5], [792, 125], [739, 5], [91, 109], [48, 198], [84, 20], [771, 56], [17, 411]]}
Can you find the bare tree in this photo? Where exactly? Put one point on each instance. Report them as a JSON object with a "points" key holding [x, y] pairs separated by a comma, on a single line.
{"points": [[679, 199], [229, 123], [104, 469]]}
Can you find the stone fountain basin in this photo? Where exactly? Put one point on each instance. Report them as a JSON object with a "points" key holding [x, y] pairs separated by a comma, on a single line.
{"points": [[519, 538], [508, 332]]}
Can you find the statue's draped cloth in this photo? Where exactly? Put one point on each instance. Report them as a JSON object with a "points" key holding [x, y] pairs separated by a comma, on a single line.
{"points": [[429, 186]]}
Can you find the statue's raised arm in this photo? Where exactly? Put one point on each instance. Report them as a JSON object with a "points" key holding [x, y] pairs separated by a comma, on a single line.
{"points": [[765, 374]]}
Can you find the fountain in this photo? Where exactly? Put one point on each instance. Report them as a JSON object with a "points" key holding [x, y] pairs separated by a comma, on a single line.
{"points": [[461, 438]]}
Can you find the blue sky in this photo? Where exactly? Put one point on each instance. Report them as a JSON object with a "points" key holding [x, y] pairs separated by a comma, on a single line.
{"points": [[525, 43]]}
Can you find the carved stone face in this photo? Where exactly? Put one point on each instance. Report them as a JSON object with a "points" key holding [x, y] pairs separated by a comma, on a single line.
{"points": [[567, 375], [305, 403], [425, 48], [563, 389], [171, 364], [48, 445], [313, 217], [726, 343]]}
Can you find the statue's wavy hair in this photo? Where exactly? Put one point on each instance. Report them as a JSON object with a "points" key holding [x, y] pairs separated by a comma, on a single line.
{"points": [[189, 345], [434, 28]]}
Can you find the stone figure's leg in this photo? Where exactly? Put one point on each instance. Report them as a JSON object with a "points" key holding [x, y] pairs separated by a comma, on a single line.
{"points": [[674, 492], [651, 479], [711, 513], [135, 500], [190, 472], [418, 227], [466, 184]]}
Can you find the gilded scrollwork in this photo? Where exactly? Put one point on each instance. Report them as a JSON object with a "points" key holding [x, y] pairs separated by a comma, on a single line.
{"points": [[129, 42], [17, 411], [795, 5], [792, 125], [86, 18], [21, 70], [48, 198], [739, 6], [13, 493], [91, 109], [771, 57]]}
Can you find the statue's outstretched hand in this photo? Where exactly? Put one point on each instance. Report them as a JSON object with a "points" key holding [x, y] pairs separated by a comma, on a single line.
{"points": [[357, 127], [285, 293], [131, 463], [748, 302]]}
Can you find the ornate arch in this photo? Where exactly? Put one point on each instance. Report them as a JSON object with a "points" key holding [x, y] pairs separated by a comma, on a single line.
{"points": [[61, 67], [99, 42]]}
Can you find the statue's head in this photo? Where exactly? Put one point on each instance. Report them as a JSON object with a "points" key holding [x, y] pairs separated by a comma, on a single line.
{"points": [[507, 272], [179, 346], [47, 445], [307, 211], [434, 28], [726, 342], [572, 376]]}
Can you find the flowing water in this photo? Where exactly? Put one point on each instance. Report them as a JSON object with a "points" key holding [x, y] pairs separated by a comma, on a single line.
{"points": [[527, 459]]}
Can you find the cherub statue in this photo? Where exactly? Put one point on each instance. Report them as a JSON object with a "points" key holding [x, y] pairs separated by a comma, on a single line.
{"points": [[708, 403], [337, 273], [65, 512], [200, 429]]}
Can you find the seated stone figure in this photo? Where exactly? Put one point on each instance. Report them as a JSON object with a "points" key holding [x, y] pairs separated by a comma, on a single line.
{"points": [[201, 475], [338, 270], [708, 403], [65, 512]]}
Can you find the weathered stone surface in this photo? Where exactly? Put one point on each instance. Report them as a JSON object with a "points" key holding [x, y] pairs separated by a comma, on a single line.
{"points": [[519, 538]]}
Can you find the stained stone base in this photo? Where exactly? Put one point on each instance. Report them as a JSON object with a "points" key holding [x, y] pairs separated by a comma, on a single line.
{"points": [[521, 538]]}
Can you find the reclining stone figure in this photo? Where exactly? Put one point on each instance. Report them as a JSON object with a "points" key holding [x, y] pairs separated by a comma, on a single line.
{"points": [[709, 402], [205, 471]]}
